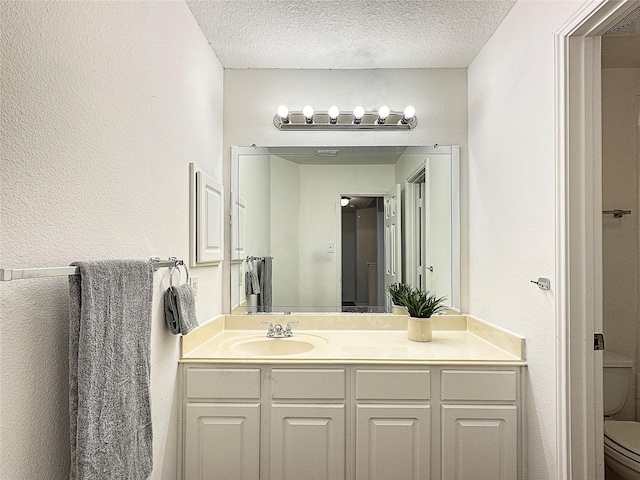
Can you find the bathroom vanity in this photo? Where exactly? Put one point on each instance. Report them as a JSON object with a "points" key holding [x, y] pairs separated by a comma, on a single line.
{"points": [[351, 398]]}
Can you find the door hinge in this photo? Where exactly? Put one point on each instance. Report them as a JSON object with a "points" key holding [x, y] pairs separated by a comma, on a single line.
{"points": [[598, 341]]}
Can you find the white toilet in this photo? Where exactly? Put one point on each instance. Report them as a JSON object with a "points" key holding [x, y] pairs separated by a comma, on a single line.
{"points": [[621, 439]]}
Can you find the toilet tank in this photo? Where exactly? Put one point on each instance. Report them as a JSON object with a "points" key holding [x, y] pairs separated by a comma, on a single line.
{"points": [[616, 379]]}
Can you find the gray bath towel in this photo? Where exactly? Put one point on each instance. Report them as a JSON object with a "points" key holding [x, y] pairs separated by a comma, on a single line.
{"points": [[180, 309], [266, 285], [109, 404]]}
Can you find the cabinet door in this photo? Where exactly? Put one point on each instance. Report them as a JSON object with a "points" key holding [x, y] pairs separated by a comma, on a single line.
{"points": [[307, 442], [479, 442], [393, 442], [222, 441]]}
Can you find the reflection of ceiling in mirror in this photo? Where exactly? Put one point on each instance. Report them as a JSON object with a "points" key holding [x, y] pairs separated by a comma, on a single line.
{"points": [[364, 155], [358, 203]]}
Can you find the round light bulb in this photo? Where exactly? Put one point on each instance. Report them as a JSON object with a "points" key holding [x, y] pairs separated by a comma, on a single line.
{"points": [[409, 112], [308, 112], [283, 112], [384, 112], [334, 112], [344, 201], [358, 112]]}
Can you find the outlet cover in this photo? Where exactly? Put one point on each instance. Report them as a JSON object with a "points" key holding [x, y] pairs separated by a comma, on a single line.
{"points": [[194, 286]]}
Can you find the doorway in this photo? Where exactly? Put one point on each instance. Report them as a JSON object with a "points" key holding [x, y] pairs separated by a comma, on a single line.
{"points": [[362, 259], [579, 238]]}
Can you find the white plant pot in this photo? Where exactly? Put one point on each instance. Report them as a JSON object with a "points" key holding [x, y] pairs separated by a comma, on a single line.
{"points": [[399, 310], [419, 329]]}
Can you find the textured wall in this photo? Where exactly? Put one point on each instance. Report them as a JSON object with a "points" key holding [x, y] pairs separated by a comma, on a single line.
{"points": [[512, 202], [620, 88], [103, 107]]}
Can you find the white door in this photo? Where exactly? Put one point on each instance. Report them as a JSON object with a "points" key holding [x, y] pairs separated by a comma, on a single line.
{"points": [[479, 442], [392, 236], [393, 442], [222, 440], [308, 441]]}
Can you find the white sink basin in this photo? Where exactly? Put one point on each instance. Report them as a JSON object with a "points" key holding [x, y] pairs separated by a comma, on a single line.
{"points": [[261, 346]]}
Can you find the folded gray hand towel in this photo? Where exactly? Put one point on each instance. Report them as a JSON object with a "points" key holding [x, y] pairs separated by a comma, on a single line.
{"points": [[180, 309], [251, 283]]}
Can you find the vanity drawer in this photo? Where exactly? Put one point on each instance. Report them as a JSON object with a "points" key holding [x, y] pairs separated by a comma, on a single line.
{"points": [[487, 385], [308, 383], [393, 384], [223, 383]]}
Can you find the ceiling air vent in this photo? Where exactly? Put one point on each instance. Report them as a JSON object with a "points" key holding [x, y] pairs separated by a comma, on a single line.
{"points": [[629, 24], [326, 153]]}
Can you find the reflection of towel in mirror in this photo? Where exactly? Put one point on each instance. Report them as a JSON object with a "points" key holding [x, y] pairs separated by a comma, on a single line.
{"points": [[180, 309], [266, 282], [251, 283]]}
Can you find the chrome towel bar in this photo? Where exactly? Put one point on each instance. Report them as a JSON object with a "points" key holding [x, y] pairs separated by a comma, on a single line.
{"points": [[7, 274]]}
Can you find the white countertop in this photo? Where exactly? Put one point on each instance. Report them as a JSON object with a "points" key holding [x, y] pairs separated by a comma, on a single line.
{"points": [[382, 340]]}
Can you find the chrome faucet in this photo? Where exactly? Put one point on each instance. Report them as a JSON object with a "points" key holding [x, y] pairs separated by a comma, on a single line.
{"points": [[277, 331]]}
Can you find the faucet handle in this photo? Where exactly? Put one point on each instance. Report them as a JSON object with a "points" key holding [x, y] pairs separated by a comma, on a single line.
{"points": [[270, 330], [287, 330]]}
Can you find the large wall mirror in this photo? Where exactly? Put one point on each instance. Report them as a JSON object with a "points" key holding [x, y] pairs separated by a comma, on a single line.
{"points": [[327, 228]]}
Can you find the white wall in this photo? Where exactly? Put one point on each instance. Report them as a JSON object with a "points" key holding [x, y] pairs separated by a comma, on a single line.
{"points": [[103, 107], [620, 86], [512, 202], [251, 98], [285, 240]]}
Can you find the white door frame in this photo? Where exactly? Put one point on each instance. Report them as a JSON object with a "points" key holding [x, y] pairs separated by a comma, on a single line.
{"points": [[579, 238], [409, 224]]}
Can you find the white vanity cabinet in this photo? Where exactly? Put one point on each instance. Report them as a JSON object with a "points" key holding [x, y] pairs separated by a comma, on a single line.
{"points": [[221, 423], [480, 424], [352, 422], [308, 423], [392, 423]]}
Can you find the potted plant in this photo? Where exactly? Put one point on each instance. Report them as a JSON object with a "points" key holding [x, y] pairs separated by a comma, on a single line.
{"points": [[421, 305], [398, 292]]}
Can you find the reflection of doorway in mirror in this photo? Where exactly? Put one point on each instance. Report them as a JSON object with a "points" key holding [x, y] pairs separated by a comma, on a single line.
{"points": [[416, 229], [362, 252]]}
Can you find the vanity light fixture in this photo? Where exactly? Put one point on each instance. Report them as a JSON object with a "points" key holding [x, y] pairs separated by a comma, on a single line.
{"points": [[333, 114], [408, 114], [344, 201], [358, 113], [383, 113], [283, 113], [308, 114], [334, 119]]}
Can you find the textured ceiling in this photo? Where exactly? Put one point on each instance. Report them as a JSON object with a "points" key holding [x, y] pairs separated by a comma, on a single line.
{"points": [[348, 34]]}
